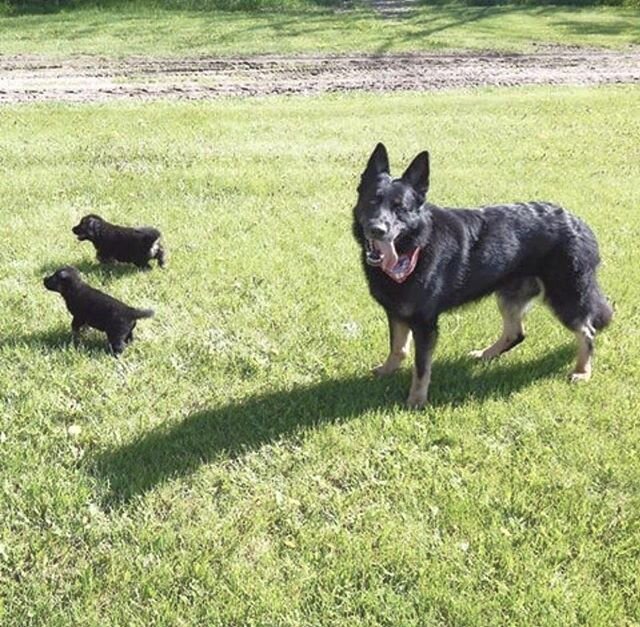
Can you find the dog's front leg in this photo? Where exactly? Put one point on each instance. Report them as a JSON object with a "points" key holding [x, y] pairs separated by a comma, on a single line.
{"points": [[425, 336], [399, 341], [76, 331]]}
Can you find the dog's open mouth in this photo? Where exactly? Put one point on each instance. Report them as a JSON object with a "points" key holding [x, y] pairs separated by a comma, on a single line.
{"points": [[381, 253]]}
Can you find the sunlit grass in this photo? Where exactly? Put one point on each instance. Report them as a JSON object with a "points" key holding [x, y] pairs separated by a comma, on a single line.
{"points": [[239, 465]]}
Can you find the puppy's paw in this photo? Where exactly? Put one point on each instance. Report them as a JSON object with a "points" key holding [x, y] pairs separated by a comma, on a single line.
{"points": [[579, 377], [416, 400]]}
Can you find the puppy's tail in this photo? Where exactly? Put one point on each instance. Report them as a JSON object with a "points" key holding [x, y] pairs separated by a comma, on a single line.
{"points": [[143, 313]]}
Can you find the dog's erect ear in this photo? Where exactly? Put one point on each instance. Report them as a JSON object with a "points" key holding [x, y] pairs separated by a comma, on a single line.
{"points": [[379, 160], [417, 174], [378, 163]]}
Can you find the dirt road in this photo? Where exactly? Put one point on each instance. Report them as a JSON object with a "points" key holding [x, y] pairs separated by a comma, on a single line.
{"points": [[83, 79]]}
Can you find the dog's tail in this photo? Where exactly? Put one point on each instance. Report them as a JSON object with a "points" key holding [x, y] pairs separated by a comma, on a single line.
{"points": [[142, 313], [602, 310]]}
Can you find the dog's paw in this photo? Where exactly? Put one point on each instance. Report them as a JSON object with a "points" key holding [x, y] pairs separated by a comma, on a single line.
{"points": [[383, 370], [482, 355], [579, 377], [416, 401]]}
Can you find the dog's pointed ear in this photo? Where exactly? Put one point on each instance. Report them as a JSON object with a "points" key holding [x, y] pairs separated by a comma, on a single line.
{"points": [[379, 160], [417, 174], [378, 163], [67, 273], [63, 277], [93, 225]]}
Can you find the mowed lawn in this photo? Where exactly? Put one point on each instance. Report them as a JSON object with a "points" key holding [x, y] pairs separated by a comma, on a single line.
{"points": [[239, 465], [144, 28]]}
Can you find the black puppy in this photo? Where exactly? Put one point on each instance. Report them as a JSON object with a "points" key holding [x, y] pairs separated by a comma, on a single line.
{"points": [[121, 243], [93, 308], [421, 260]]}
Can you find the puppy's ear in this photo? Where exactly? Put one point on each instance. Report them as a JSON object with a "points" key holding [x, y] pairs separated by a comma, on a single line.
{"points": [[417, 174], [378, 164], [93, 226]]}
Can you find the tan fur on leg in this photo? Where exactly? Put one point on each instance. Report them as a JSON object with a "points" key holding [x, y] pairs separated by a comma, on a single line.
{"points": [[512, 331], [419, 388], [585, 336], [400, 343]]}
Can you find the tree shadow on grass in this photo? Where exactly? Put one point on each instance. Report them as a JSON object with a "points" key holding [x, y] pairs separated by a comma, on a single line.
{"points": [[587, 28], [38, 7], [443, 17], [44, 7], [228, 431]]}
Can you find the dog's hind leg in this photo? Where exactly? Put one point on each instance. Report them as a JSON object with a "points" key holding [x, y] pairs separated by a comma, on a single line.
{"points": [[514, 300], [117, 337], [161, 256], [424, 337], [157, 252], [581, 307], [585, 336], [399, 341], [129, 337]]}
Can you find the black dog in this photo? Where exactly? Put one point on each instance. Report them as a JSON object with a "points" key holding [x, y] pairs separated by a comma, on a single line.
{"points": [[121, 243], [421, 260], [91, 307]]}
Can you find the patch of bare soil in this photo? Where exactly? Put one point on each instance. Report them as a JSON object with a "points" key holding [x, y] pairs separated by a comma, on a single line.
{"points": [[83, 79]]}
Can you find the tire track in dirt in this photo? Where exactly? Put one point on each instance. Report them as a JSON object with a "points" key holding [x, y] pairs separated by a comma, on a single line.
{"points": [[90, 79]]}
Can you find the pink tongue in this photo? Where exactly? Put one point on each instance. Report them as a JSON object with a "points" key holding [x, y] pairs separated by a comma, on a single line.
{"points": [[389, 255]]}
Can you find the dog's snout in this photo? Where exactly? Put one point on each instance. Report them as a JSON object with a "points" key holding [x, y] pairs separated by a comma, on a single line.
{"points": [[378, 230]]}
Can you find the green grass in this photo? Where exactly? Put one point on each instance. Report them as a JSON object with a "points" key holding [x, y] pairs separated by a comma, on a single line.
{"points": [[143, 30], [239, 465]]}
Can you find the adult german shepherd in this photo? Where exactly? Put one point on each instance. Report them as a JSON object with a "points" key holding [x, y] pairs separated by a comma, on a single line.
{"points": [[421, 260]]}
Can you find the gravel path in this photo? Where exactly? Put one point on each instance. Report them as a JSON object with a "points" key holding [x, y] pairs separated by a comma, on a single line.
{"points": [[84, 79]]}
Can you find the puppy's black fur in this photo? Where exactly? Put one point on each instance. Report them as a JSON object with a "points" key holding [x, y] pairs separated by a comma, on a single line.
{"points": [[514, 250], [121, 243], [90, 307]]}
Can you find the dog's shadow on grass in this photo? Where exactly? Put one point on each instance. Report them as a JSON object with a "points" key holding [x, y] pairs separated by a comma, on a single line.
{"points": [[227, 431], [106, 272], [57, 339]]}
